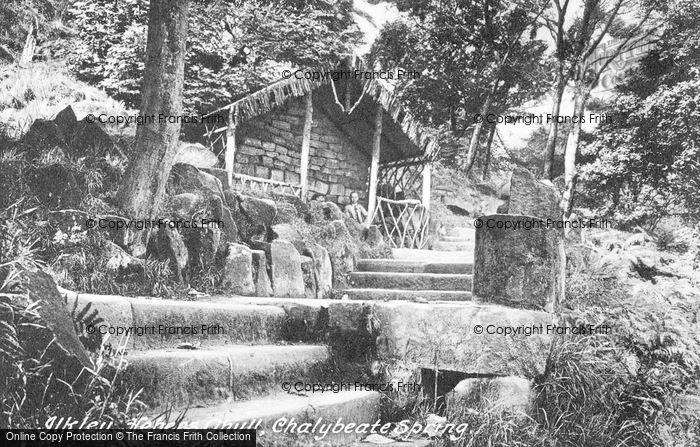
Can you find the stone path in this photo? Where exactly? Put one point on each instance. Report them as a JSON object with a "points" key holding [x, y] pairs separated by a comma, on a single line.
{"points": [[235, 371], [441, 274], [239, 367]]}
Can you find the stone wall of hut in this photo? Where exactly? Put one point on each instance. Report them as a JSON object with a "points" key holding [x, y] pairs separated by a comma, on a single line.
{"points": [[269, 146]]}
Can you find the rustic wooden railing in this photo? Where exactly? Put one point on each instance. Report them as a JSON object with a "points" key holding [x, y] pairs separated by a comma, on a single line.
{"points": [[404, 222], [266, 185]]}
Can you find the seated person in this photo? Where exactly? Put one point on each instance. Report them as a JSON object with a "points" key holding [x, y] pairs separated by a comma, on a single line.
{"points": [[354, 210]]}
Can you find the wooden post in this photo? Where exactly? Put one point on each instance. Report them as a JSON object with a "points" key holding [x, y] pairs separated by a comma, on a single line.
{"points": [[305, 146], [426, 186], [230, 155], [374, 166]]}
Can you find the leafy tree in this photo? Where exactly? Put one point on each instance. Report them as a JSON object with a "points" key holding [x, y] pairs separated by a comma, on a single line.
{"points": [[251, 38], [233, 47], [474, 57], [645, 163], [578, 33]]}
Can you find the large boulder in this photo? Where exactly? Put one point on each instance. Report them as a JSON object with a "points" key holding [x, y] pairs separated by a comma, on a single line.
{"points": [[287, 274], [302, 209], [66, 122], [219, 173], [285, 231], [55, 317], [186, 205], [518, 261], [532, 197], [196, 155], [261, 278], [253, 216], [341, 250], [223, 219], [91, 138], [323, 270], [286, 213], [168, 244], [238, 270], [187, 178], [204, 241], [42, 135]]}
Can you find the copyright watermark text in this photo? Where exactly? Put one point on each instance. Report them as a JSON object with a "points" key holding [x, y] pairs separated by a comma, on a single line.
{"points": [[141, 224], [536, 224]]}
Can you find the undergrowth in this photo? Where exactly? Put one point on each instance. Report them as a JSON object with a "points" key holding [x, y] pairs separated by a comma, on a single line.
{"points": [[41, 383]]}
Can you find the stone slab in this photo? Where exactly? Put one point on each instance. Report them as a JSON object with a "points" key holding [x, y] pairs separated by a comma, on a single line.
{"points": [[240, 323], [403, 266], [406, 295], [411, 281], [453, 246], [238, 270], [204, 376], [443, 336], [411, 254], [287, 275]]}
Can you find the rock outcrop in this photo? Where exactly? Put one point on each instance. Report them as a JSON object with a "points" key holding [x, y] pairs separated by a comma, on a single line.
{"points": [[287, 274], [518, 262], [196, 155]]}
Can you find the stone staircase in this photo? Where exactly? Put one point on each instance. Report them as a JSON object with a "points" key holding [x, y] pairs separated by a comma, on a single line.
{"points": [[440, 274], [233, 372], [237, 370]]}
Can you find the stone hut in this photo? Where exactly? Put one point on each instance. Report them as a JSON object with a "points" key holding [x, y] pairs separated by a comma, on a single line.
{"points": [[330, 138]]}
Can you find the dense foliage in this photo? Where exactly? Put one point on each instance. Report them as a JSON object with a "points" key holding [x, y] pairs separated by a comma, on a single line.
{"points": [[19, 16], [233, 47], [460, 49], [645, 164]]}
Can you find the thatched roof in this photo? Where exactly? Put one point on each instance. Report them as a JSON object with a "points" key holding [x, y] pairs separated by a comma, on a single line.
{"points": [[268, 98], [276, 94]]}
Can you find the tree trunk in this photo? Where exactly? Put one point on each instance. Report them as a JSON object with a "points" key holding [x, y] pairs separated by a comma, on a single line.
{"points": [[474, 141], [551, 146], [570, 174], [143, 186], [29, 45], [489, 143]]}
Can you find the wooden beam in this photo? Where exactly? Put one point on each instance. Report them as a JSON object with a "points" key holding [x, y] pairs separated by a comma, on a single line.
{"points": [[306, 146], [426, 185], [374, 166], [230, 155]]}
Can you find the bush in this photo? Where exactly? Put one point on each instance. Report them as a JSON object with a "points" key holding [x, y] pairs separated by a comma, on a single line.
{"points": [[36, 385]]}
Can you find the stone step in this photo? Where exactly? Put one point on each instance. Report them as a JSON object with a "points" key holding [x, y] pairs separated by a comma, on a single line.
{"points": [[465, 337], [412, 254], [456, 239], [410, 281], [161, 321], [463, 232], [272, 414], [453, 246], [406, 295], [401, 266], [183, 377]]}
